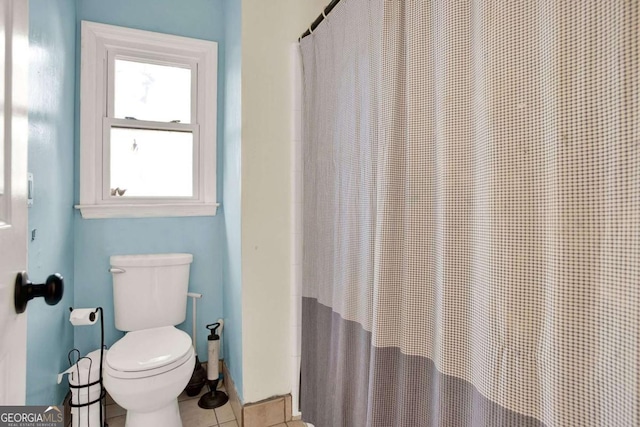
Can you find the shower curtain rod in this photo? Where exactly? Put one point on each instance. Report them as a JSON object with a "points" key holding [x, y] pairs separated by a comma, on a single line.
{"points": [[319, 19]]}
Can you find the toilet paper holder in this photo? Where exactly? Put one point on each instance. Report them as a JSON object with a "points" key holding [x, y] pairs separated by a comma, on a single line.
{"points": [[97, 312]]}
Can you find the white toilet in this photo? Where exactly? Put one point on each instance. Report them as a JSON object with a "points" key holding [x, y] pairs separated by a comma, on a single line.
{"points": [[148, 368]]}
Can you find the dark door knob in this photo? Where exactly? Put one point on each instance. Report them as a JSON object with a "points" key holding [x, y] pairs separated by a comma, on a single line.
{"points": [[25, 291]]}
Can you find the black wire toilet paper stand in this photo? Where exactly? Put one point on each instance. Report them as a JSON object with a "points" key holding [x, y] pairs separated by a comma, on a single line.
{"points": [[103, 393]]}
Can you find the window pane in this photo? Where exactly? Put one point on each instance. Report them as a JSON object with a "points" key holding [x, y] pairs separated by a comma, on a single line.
{"points": [[152, 92], [151, 163]]}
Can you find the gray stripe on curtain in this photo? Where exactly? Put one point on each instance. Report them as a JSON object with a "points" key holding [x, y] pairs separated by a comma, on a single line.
{"points": [[337, 386]]}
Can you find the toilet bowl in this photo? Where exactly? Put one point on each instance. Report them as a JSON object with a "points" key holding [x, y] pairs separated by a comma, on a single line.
{"points": [[146, 370]]}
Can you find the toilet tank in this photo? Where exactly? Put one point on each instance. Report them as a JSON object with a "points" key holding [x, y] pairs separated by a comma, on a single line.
{"points": [[150, 291]]}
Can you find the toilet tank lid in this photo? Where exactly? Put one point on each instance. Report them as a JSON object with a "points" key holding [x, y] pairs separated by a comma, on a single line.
{"points": [[150, 260]]}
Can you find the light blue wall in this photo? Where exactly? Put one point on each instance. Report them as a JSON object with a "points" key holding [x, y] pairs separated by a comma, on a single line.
{"points": [[51, 141], [232, 185], [96, 240], [80, 249]]}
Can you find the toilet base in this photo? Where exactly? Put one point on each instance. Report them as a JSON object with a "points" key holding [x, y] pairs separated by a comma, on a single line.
{"points": [[168, 416]]}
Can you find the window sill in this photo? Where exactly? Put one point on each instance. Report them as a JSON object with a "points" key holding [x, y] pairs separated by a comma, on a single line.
{"points": [[146, 211]]}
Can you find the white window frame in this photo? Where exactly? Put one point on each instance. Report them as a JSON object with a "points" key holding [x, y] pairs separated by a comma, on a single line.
{"points": [[101, 44]]}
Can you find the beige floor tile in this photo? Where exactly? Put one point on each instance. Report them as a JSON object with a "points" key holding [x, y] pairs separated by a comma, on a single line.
{"points": [[233, 423], [116, 421], [297, 423], [225, 413], [281, 425], [114, 410], [194, 416]]}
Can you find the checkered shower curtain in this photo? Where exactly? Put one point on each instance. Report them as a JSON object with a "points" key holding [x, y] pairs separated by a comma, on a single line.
{"points": [[472, 214]]}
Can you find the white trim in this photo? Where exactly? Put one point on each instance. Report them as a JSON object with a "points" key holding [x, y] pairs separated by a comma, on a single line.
{"points": [[147, 210], [144, 124], [99, 41], [296, 225]]}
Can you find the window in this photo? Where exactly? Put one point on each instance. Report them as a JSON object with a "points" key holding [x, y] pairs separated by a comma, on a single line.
{"points": [[148, 124]]}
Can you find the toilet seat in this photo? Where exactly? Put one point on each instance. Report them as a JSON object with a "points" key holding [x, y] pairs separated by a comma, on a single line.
{"points": [[149, 352]]}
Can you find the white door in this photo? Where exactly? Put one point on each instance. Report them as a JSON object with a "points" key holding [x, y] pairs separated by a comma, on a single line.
{"points": [[14, 57]]}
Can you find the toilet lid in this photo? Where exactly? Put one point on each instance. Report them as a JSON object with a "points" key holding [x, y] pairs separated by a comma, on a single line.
{"points": [[148, 349]]}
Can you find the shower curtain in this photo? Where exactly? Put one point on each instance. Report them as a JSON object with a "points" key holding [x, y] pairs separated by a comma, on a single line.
{"points": [[472, 214]]}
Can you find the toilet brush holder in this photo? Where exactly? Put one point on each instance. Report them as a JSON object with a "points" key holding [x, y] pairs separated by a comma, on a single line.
{"points": [[197, 381]]}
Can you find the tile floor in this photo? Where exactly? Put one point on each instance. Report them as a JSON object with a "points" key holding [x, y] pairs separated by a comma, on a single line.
{"points": [[192, 415]]}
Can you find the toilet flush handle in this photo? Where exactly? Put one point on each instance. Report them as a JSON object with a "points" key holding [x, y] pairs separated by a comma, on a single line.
{"points": [[117, 270]]}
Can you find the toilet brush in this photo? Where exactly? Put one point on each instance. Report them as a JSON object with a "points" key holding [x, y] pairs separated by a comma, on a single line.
{"points": [[199, 376], [214, 398]]}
